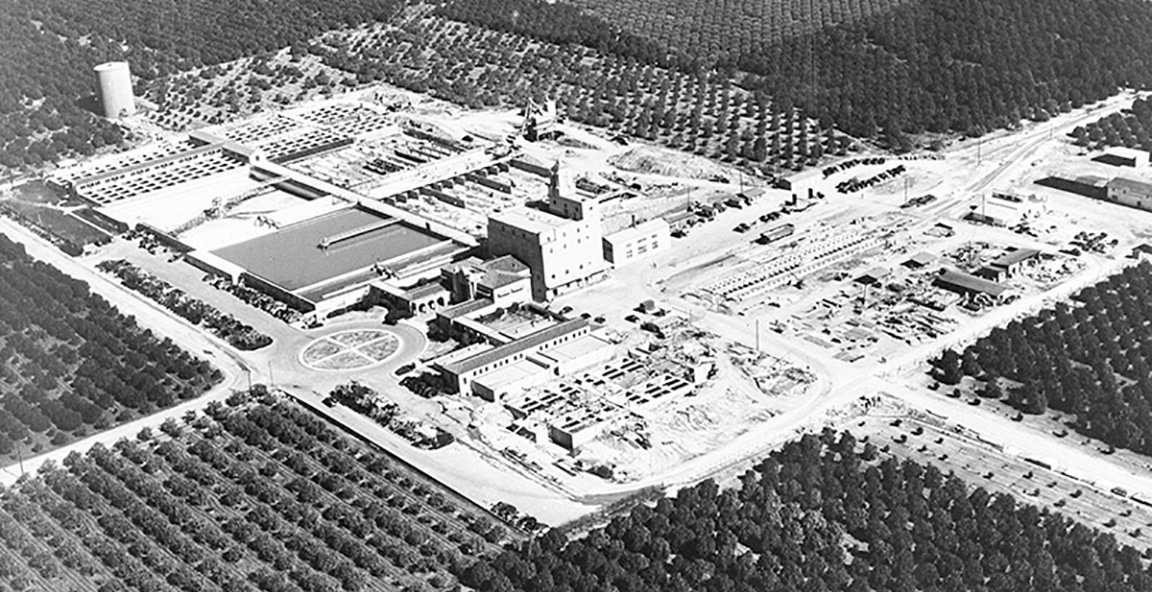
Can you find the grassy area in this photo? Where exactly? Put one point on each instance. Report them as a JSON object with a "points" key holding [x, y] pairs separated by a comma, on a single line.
{"points": [[59, 223], [37, 192]]}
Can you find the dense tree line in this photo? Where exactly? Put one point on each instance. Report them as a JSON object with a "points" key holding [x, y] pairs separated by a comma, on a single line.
{"points": [[1128, 129], [701, 113], [1091, 358], [255, 496], [825, 514], [558, 23], [70, 362], [51, 47], [716, 29], [934, 65]]}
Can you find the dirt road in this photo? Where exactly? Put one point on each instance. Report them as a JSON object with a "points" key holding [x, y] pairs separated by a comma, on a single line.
{"points": [[148, 314]]}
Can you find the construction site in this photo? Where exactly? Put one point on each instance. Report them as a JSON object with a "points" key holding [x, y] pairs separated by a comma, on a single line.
{"points": [[658, 402]]}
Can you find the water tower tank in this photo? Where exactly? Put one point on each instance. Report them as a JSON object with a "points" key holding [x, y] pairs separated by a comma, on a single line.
{"points": [[114, 83]]}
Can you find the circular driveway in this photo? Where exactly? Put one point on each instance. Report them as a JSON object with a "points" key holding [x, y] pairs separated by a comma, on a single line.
{"points": [[351, 349]]}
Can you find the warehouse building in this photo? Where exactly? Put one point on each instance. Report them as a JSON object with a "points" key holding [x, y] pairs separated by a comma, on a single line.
{"points": [[968, 284], [1123, 156], [995, 211], [1130, 192]]}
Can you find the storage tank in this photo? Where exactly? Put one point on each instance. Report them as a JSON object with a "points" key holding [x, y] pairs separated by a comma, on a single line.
{"points": [[114, 85]]}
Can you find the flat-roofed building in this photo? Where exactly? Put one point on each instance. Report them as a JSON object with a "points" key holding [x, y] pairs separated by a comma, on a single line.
{"points": [[418, 299], [513, 377], [578, 427], [493, 373], [503, 280], [995, 211], [681, 219], [1123, 156], [1130, 192], [578, 354], [1009, 263], [637, 242]]}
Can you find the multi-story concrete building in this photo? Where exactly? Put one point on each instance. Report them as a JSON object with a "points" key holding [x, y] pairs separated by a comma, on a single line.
{"points": [[561, 244]]}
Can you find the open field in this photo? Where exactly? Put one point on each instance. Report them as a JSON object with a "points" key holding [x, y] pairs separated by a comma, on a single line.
{"points": [[57, 222]]}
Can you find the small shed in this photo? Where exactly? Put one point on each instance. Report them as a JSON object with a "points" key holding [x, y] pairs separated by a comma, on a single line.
{"points": [[874, 276], [920, 260], [1123, 156]]}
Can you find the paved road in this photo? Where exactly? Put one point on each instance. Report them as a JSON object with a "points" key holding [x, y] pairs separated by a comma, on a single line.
{"points": [[279, 362], [148, 314], [840, 384], [843, 383]]}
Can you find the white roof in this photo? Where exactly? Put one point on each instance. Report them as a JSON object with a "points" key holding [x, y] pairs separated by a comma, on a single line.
{"points": [[656, 225], [530, 220], [1127, 152], [219, 263]]}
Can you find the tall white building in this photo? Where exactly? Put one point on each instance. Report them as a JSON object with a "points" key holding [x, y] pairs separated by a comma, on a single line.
{"points": [[562, 245], [114, 83]]}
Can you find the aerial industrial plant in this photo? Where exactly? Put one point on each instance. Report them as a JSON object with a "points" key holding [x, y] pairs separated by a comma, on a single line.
{"points": [[577, 295]]}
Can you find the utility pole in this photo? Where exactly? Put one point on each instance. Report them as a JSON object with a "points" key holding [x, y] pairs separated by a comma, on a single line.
{"points": [[20, 457], [271, 382], [757, 336], [905, 190]]}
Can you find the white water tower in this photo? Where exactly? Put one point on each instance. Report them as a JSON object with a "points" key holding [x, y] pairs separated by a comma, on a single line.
{"points": [[114, 83]]}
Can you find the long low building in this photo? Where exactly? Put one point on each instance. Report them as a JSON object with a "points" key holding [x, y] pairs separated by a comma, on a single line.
{"points": [[493, 372], [968, 284]]}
